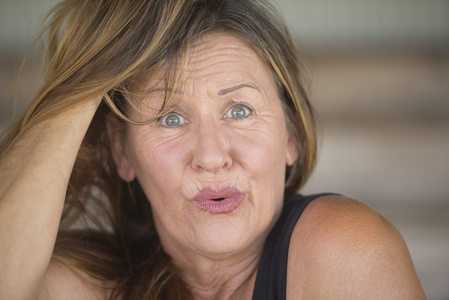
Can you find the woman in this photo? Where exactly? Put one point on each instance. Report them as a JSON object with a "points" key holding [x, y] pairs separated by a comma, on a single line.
{"points": [[171, 137]]}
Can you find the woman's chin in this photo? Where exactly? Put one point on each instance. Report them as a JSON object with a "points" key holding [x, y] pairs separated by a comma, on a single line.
{"points": [[217, 246], [226, 237]]}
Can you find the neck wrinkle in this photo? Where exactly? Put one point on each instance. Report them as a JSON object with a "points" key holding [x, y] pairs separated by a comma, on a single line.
{"points": [[220, 279]]}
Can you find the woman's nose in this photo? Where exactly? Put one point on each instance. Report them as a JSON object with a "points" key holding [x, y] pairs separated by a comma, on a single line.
{"points": [[211, 148]]}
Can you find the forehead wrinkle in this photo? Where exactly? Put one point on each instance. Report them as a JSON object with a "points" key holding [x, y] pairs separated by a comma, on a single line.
{"points": [[211, 54], [220, 55], [206, 48], [228, 66]]}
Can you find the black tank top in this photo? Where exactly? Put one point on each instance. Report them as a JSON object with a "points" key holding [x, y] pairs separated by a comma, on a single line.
{"points": [[271, 280]]}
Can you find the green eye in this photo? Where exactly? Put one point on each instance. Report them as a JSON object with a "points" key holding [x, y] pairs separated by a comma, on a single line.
{"points": [[172, 120], [239, 112]]}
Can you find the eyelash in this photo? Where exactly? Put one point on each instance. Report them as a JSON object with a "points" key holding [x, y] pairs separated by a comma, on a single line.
{"points": [[248, 112], [247, 109], [163, 118]]}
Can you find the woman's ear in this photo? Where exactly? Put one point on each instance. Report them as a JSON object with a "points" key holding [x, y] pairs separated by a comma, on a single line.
{"points": [[292, 152], [116, 134]]}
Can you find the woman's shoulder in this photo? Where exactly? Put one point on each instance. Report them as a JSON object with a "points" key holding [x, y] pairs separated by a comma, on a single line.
{"points": [[63, 282], [340, 247], [333, 220]]}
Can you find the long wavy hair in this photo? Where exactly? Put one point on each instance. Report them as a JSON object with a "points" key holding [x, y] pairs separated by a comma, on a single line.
{"points": [[109, 48]]}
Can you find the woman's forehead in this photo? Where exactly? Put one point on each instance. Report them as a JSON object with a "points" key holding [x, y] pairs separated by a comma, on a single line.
{"points": [[219, 57], [219, 43]]}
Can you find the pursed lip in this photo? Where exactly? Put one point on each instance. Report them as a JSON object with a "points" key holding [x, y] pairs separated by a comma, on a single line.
{"points": [[222, 201]]}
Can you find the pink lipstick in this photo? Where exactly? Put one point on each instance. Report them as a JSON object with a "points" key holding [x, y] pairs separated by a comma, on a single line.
{"points": [[218, 202]]}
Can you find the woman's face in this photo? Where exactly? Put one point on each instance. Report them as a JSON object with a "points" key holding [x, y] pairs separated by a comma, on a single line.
{"points": [[213, 168]]}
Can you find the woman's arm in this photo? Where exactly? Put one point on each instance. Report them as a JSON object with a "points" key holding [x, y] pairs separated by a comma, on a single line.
{"points": [[342, 249], [34, 175], [63, 283]]}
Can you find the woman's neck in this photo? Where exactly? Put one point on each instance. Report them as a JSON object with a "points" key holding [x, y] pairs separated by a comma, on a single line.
{"points": [[231, 277]]}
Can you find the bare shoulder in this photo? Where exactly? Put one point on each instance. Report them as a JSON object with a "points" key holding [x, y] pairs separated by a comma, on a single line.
{"points": [[63, 283], [342, 249]]}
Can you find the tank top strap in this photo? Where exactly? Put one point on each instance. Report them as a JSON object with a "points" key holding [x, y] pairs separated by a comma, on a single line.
{"points": [[271, 276]]}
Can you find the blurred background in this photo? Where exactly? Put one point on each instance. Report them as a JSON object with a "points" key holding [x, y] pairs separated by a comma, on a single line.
{"points": [[379, 80]]}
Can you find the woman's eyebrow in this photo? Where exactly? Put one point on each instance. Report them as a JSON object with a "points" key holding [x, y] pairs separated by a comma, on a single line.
{"points": [[234, 88], [220, 92]]}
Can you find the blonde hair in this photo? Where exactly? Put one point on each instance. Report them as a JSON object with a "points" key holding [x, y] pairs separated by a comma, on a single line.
{"points": [[108, 48]]}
